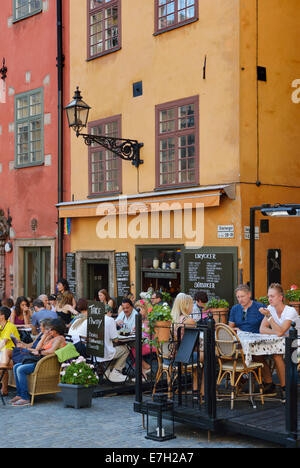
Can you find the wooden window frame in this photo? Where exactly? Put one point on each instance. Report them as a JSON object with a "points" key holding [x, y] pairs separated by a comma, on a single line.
{"points": [[94, 149], [177, 24], [29, 119], [27, 15], [110, 4], [176, 133]]}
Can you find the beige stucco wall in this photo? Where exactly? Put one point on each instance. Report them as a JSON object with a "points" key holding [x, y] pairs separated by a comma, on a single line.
{"points": [[170, 66]]}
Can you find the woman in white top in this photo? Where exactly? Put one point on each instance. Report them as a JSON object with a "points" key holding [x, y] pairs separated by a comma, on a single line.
{"points": [[78, 327], [277, 321]]}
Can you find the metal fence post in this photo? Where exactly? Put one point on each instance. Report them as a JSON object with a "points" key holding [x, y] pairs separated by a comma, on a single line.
{"points": [[210, 368], [138, 359], [291, 376]]}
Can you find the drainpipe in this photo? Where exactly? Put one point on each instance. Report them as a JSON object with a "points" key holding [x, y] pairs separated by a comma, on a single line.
{"points": [[60, 65]]}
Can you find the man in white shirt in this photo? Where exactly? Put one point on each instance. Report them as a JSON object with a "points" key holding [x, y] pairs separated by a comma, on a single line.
{"points": [[127, 316], [118, 354]]}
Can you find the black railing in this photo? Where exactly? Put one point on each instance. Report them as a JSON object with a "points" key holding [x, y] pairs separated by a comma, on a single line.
{"points": [[191, 360], [291, 381]]}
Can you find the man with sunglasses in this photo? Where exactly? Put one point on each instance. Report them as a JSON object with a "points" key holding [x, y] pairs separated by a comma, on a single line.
{"points": [[246, 317]]}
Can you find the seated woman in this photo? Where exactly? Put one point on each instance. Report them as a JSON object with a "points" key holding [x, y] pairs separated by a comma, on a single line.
{"points": [[21, 370], [16, 355], [78, 326], [181, 316], [277, 321], [108, 302], [21, 317], [64, 308]]}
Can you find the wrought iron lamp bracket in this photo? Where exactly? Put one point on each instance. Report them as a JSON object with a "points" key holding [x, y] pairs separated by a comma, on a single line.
{"points": [[126, 149]]}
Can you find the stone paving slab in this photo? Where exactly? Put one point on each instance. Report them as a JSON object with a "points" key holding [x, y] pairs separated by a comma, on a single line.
{"points": [[110, 423]]}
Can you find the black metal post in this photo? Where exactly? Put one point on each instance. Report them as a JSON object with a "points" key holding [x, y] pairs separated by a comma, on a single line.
{"points": [[60, 178], [138, 359], [210, 368], [252, 251], [179, 369], [291, 376]]}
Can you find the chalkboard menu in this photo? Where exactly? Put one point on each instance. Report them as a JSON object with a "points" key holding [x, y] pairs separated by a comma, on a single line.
{"points": [[95, 328], [211, 272], [71, 271], [122, 273]]}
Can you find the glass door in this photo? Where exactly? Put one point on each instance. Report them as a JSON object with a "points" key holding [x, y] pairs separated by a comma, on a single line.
{"points": [[37, 271]]}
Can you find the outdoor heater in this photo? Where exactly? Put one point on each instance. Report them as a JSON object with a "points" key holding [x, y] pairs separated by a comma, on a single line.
{"points": [[78, 113], [160, 418]]}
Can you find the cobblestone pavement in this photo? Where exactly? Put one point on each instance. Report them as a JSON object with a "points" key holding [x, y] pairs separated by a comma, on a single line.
{"points": [[110, 423]]}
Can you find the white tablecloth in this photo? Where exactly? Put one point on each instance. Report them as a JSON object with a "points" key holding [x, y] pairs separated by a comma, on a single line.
{"points": [[256, 344]]}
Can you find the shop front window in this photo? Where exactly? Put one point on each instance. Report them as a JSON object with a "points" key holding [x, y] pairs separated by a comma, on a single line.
{"points": [[161, 269]]}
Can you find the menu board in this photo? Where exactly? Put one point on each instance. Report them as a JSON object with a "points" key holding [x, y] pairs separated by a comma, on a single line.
{"points": [[95, 328], [71, 271], [211, 272], [122, 273]]}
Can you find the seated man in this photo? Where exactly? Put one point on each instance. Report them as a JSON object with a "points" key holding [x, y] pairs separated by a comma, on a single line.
{"points": [[127, 316], [118, 354], [247, 317], [201, 300], [40, 313], [6, 329]]}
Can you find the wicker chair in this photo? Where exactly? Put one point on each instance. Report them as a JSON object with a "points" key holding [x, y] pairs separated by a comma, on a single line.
{"points": [[45, 378], [232, 361], [165, 358]]}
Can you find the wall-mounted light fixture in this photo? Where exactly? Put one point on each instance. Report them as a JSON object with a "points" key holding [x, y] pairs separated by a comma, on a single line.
{"points": [[3, 70], [78, 112]]}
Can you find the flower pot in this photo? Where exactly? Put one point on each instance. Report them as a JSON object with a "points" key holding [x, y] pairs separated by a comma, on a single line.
{"points": [[296, 305], [77, 396], [162, 330], [219, 315]]}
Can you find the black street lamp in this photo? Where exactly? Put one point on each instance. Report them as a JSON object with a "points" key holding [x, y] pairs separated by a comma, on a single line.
{"points": [[78, 112]]}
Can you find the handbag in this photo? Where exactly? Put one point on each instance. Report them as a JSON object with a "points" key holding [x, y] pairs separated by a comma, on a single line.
{"points": [[31, 359], [66, 353]]}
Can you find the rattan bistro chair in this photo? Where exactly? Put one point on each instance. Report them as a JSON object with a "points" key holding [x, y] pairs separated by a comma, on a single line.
{"points": [[232, 361], [44, 379]]}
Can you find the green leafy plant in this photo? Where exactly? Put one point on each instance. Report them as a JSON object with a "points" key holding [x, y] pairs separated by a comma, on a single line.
{"points": [[159, 313], [292, 295], [78, 372], [264, 300], [215, 303], [166, 297]]}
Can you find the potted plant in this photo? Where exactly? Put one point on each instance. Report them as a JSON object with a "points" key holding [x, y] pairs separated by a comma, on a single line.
{"points": [[159, 323], [219, 309], [78, 380], [293, 298], [264, 300]]}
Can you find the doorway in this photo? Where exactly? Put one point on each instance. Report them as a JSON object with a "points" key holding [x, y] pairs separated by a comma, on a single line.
{"points": [[37, 271], [97, 274]]}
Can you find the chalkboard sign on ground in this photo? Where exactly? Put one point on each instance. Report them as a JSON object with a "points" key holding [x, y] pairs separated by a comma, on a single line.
{"points": [[211, 271], [122, 273], [95, 329], [71, 271]]}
